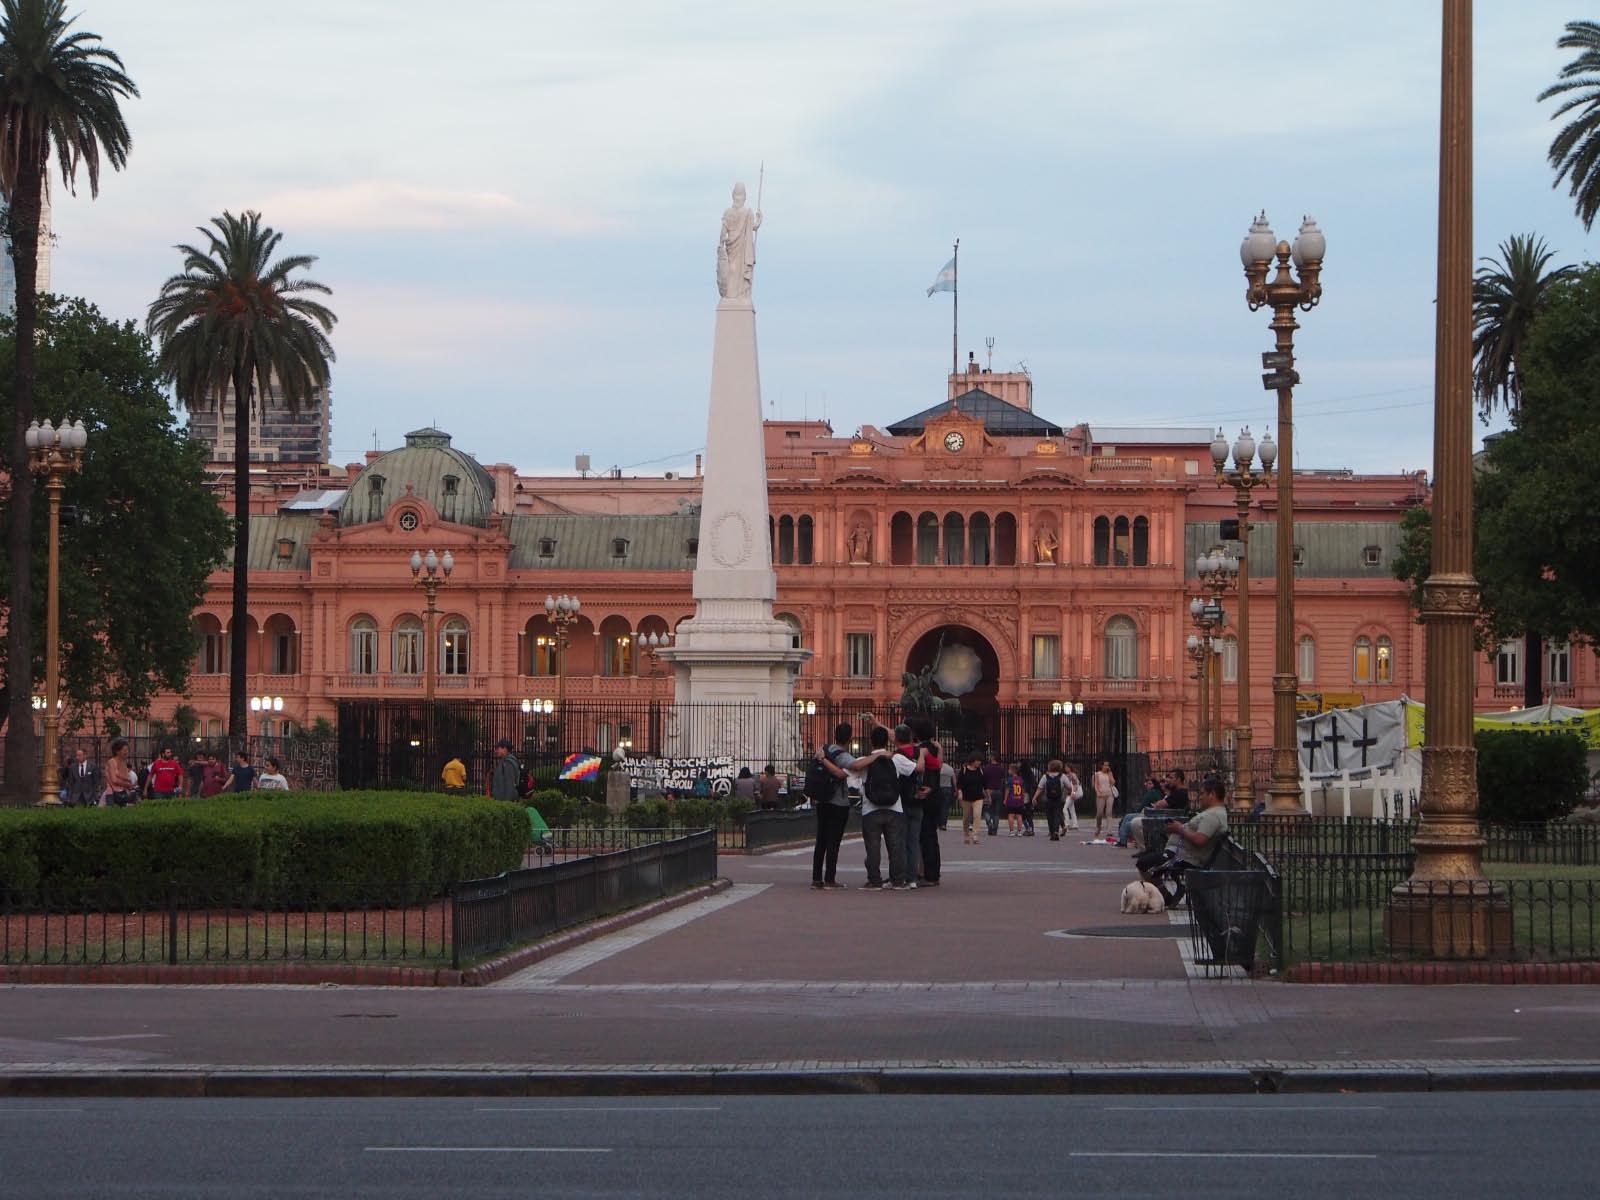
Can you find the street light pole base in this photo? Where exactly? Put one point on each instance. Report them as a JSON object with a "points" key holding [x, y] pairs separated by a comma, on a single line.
{"points": [[1455, 919]]}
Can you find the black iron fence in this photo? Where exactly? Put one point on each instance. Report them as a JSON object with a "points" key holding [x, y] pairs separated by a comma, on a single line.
{"points": [[487, 915], [1280, 839], [395, 744], [105, 924]]}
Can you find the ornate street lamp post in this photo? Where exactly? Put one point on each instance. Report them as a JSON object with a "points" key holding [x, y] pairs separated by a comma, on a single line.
{"points": [[1203, 647], [265, 706], [654, 644], [1244, 478], [1283, 293], [54, 454], [1448, 908], [563, 613], [1216, 571], [430, 574]]}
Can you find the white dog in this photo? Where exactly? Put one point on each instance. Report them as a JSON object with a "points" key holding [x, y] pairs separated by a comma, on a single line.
{"points": [[1142, 897]]}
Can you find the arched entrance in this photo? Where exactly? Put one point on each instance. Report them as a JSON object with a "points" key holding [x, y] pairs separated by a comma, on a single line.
{"points": [[959, 663]]}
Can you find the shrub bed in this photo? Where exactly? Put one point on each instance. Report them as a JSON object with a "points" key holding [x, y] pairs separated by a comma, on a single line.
{"points": [[282, 845]]}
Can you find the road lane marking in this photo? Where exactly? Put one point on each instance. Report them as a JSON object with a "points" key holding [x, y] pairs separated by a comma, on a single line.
{"points": [[558, 966], [36, 1112], [1265, 1106], [665, 1108], [1205, 1154], [487, 1149], [114, 1037]]}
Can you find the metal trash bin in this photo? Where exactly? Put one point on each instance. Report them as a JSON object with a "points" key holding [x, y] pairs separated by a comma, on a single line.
{"points": [[1226, 911]]}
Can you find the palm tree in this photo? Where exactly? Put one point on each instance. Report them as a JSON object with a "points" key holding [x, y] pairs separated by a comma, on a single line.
{"points": [[1575, 151], [1507, 294], [236, 319], [59, 90]]}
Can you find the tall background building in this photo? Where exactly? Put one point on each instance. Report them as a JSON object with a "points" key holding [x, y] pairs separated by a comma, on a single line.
{"points": [[8, 269], [276, 433]]}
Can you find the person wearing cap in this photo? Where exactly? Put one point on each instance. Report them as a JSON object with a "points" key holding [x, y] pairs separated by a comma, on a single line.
{"points": [[507, 772]]}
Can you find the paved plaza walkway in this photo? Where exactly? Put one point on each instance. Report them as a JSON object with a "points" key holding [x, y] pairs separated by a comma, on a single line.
{"points": [[1007, 966]]}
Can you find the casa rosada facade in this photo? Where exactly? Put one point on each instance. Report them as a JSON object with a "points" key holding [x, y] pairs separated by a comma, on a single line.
{"points": [[1033, 563]]}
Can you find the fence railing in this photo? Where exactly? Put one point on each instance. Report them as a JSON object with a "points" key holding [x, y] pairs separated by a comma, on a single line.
{"points": [[1555, 843], [104, 924], [487, 915]]}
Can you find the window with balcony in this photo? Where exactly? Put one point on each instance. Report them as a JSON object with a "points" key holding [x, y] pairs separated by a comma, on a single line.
{"points": [[805, 537], [955, 539], [927, 540], [1141, 541], [978, 549], [1385, 660], [858, 655], [542, 654], [1005, 540], [211, 657], [455, 645], [1046, 656], [1361, 660], [1122, 648], [902, 540], [363, 646], [1121, 543], [408, 647], [1557, 664], [785, 547], [616, 653], [1102, 541], [280, 654]]}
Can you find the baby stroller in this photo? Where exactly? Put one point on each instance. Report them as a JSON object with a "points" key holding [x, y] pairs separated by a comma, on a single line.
{"points": [[540, 841]]}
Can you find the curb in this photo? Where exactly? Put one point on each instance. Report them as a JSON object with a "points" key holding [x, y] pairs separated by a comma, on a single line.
{"points": [[350, 974], [1443, 972], [974, 1081]]}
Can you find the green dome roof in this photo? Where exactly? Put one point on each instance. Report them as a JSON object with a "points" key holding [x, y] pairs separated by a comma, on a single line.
{"points": [[451, 481]]}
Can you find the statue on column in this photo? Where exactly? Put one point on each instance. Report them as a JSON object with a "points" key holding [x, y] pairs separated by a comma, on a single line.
{"points": [[860, 543], [736, 248]]}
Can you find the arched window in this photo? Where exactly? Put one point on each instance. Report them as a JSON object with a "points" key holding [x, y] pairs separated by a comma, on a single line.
{"points": [[1141, 541], [1306, 661], [1230, 660], [980, 553], [1557, 664], [793, 622], [1122, 648], [616, 645], [454, 648], [902, 540], [1005, 540], [805, 541], [1120, 548], [1508, 663], [363, 646], [1385, 662], [785, 539], [1361, 664], [408, 646], [927, 540], [955, 539], [211, 655], [1102, 542], [282, 645]]}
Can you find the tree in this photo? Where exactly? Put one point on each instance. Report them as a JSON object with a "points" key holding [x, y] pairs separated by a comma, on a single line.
{"points": [[146, 533], [60, 91], [237, 319], [1575, 150], [1506, 297], [1538, 547]]}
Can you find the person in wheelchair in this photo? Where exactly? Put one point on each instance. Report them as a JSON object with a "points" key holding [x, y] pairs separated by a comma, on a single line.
{"points": [[1197, 842]]}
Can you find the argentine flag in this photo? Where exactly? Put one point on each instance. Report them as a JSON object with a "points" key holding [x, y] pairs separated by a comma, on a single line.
{"points": [[945, 280]]}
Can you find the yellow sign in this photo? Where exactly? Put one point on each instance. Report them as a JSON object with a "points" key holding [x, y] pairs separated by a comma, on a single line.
{"points": [[1586, 725]]}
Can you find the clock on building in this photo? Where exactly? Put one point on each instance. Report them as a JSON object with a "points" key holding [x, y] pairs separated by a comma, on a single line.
{"points": [[953, 441], [408, 520]]}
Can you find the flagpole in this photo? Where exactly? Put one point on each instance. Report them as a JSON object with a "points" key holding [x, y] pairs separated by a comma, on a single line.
{"points": [[955, 308]]}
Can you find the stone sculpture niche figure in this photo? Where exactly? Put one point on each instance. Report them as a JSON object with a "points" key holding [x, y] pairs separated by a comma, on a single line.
{"points": [[860, 543], [1044, 547], [736, 248]]}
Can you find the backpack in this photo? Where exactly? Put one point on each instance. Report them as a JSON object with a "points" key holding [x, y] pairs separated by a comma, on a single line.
{"points": [[819, 785], [883, 783], [1052, 787], [525, 783]]}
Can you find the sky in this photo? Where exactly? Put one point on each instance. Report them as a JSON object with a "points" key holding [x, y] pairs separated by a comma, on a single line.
{"points": [[516, 203]]}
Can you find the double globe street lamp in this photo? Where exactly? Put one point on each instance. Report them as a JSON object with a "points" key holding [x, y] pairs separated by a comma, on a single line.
{"points": [[430, 572], [1283, 293], [54, 452], [1244, 476]]}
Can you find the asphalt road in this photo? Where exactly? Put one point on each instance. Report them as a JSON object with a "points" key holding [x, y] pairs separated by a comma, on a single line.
{"points": [[1464, 1145]]}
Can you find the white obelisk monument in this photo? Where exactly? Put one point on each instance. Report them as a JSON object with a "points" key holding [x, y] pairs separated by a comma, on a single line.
{"points": [[733, 652]]}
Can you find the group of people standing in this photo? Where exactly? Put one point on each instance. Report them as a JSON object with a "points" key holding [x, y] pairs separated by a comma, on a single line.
{"points": [[119, 783], [988, 788], [903, 787]]}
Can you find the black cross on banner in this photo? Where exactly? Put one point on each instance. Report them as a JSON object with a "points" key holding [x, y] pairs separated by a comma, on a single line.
{"points": [[1364, 742], [1310, 745], [1332, 738]]}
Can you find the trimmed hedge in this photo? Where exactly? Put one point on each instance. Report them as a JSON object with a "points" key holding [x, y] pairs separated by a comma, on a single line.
{"points": [[285, 845], [1527, 776]]}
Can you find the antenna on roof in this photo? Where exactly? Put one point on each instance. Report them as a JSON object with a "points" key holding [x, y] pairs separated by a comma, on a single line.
{"points": [[989, 342], [374, 437]]}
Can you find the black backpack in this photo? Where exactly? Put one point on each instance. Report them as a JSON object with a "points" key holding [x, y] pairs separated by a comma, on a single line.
{"points": [[819, 786], [883, 783], [526, 784], [1052, 787]]}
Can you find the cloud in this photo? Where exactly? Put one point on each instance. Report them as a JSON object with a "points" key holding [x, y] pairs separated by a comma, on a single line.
{"points": [[391, 205]]}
